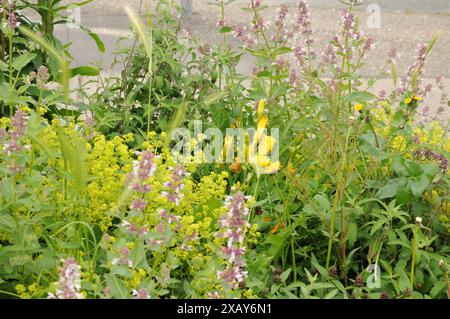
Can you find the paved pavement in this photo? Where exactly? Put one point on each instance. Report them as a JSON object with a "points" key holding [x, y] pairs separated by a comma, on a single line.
{"points": [[404, 24]]}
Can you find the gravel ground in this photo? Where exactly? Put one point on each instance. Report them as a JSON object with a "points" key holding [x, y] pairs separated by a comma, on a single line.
{"points": [[404, 24]]}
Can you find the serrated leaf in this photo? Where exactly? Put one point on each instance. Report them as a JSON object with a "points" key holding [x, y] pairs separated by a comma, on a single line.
{"points": [[20, 260], [437, 289], [352, 234], [377, 225], [21, 61]]}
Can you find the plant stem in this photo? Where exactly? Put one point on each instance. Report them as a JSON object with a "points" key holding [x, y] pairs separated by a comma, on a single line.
{"points": [[11, 96], [413, 258], [337, 198]]}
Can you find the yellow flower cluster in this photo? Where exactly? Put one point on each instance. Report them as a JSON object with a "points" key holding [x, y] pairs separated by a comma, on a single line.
{"points": [[108, 162], [26, 292]]}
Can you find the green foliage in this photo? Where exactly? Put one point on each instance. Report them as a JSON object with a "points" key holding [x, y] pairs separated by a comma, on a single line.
{"points": [[358, 206]]}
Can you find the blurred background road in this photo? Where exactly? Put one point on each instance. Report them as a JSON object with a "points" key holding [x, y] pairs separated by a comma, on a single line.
{"points": [[404, 24]]}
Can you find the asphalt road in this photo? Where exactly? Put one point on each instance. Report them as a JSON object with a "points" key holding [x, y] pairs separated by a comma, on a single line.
{"points": [[114, 7], [404, 24]]}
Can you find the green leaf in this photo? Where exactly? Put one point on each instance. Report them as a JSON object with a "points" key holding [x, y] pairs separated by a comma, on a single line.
{"points": [[85, 71], [390, 189], [377, 225], [430, 170], [264, 74], [3, 66], [20, 260], [352, 234], [418, 185], [4, 93], [282, 50], [323, 202], [399, 166], [225, 30], [437, 289], [116, 286], [403, 281], [359, 97], [95, 37], [414, 169], [20, 62], [284, 276]]}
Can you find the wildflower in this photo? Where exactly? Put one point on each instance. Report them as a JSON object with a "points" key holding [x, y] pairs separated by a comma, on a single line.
{"points": [[299, 55], [272, 168], [358, 107], [282, 12], [359, 281], [418, 221], [175, 185], [233, 227], [329, 56], [417, 98], [384, 295], [123, 258], [382, 95], [255, 4], [275, 229], [16, 132], [333, 271], [408, 101], [69, 283], [302, 23], [393, 55], [235, 167], [428, 154], [213, 295], [280, 64], [222, 23], [142, 171], [9, 10], [13, 22], [291, 169], [141, 294], [133, 229], [42, 77], [239, 32], [138, 205], [260, 24], [368, 45]]}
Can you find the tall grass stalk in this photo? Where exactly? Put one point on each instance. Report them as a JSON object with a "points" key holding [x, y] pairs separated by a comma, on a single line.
{"points": [[147, 40], [63, 64]]}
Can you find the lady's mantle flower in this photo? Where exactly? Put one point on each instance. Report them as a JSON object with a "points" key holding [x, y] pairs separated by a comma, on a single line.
{"points": [[69, 283]]}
